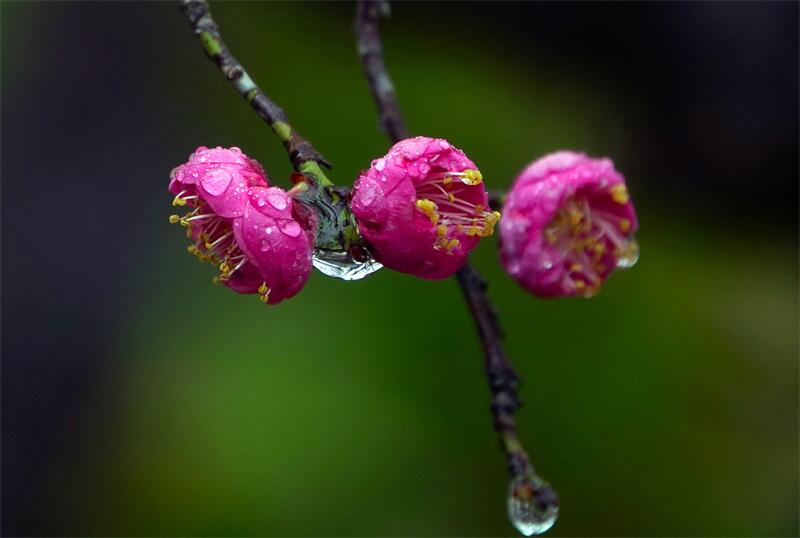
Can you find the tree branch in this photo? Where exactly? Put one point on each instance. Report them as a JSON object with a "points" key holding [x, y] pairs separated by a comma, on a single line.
{"points": [[370, 50], [304, 157], [503, 379], [337, 239]]}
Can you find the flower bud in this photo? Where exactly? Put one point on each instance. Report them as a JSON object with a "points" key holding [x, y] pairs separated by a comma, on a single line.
{"points": [[423, 207], [255, 234], [568, 222]]}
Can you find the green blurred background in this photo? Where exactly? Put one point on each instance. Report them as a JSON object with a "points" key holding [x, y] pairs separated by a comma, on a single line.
{"points": [[140, 400]]}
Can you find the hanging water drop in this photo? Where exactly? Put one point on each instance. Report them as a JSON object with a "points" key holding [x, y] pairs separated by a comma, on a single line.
{"points": [[629, 256], [532, 505], [340, 264]]}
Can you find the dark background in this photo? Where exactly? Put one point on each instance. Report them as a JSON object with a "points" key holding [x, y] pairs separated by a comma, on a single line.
{"points": [[138, 399]]}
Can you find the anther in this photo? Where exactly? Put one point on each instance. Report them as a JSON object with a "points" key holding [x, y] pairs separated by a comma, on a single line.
{"points": [[619, 193], [471, 177]]}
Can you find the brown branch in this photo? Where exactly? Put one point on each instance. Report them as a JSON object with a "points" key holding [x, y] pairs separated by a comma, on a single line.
{"points": [[370, 50], [337, 240], [532, 502]]}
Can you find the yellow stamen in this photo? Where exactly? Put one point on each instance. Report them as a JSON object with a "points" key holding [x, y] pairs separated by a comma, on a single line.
{"points": [[429, 208], [619, 193], [264, 290], [174, 219], [472, 177]]}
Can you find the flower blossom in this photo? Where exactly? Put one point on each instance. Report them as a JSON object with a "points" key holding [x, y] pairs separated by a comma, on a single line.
{"points": [[423, 207], [258, 236], [568, 222]]}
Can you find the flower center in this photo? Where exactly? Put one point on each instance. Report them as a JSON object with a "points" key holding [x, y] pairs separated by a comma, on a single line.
{"points": [[445, 197], [593, 240], [214, 240]]}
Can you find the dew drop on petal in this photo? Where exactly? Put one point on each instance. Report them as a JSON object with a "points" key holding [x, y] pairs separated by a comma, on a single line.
{"points": [[216, 181], [290, 228], [265, 246], [276, 200], [368, 192]]}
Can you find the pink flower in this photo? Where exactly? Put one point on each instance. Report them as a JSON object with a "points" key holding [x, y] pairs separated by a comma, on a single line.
{"points": [[568, 222], [257, 235], [423, 207]]}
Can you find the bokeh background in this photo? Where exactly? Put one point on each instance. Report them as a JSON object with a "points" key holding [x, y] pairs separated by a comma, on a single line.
{"points": [[137, 399]]}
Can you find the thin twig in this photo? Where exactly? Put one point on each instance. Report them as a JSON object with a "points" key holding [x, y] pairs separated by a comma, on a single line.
{"points": [[337, 233], [370, 50], [503, 379], [302, 154]]}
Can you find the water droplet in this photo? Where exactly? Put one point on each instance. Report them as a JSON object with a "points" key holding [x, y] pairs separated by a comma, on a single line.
{"points": [[379, 164], [532, 505], [443, 144], [277, 200], [368, 192], [339, 264], [216, 181], [269, 229], [290, 228], [265, 246], [629, 256]]}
